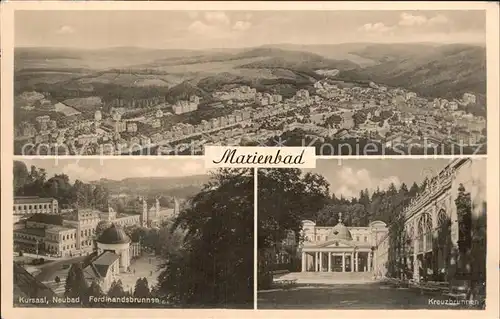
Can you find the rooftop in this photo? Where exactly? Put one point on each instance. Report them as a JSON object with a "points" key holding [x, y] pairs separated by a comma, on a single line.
{"points": [[25, 285], [46, 219], [32, 200], [99, 267], [59, 228], [31, 231], [113, 235]]}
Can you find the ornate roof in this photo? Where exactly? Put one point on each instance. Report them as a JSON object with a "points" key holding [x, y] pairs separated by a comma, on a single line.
{"points": [[113, 235], [340, 231]]}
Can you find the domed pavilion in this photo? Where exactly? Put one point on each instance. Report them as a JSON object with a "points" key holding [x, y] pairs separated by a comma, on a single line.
{"points": [[340, 248], [114, 239]]}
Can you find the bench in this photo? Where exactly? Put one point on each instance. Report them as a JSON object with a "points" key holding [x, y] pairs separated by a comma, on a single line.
{"points": [[286, 283]]}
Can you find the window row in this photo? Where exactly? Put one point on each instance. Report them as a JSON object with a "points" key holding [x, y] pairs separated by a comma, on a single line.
{"points": [[33, 206]]}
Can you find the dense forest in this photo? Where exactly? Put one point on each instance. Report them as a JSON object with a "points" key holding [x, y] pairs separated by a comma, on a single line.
{"points": [[34, 182]]}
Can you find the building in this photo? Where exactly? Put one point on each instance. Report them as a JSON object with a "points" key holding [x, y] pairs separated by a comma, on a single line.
{"points": [[431, 235], [60, 241], [113, 257], [115, 125], [340, 248], [183, 106], [29, 205], [155, 215], [411, 95], [85, 222], [98, 116], [132, 127], [303, 94], [122, 220], [469, 98]]}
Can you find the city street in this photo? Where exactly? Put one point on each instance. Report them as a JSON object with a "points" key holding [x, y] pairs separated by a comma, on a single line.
{"points": [[366, 296]]}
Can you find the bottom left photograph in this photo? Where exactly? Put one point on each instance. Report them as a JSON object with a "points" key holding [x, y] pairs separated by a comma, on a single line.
{"points": [[132, 232]]}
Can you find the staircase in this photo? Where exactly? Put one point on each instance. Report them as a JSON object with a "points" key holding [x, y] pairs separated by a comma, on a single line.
{"points": [[327, 277]]}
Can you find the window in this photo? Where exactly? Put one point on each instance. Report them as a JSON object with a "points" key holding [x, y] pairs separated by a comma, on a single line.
{"points": [[366, 239], [357, 238]]}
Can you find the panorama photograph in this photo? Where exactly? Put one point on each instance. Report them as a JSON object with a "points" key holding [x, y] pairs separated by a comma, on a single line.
{"points": [[169, 82]]}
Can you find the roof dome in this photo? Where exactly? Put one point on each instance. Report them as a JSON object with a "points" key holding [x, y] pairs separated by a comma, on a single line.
{"points": [[113, 235], [340, 231]]}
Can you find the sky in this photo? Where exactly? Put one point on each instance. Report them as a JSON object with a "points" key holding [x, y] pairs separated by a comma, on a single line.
{"points": [[349, 177], [232, 29], [88, 170]]}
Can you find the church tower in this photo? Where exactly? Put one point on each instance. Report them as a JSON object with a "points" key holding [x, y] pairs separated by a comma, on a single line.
{"points": [[157, 207], [144, 218]]}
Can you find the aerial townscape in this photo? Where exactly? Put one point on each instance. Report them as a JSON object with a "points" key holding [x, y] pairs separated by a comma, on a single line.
{"points": [[263, 96]]}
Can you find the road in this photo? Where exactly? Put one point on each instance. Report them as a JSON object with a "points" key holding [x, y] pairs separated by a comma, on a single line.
{"points": [[345, 296]]}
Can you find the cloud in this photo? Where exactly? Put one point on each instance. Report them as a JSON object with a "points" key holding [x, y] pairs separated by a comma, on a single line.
{"points": [[169, 168], [217, 18], [439, 19], [65, 29], [378, 27], [242, 25], [78, 171], [217, 25], [200, 27], [353, 181], [408, 19]]}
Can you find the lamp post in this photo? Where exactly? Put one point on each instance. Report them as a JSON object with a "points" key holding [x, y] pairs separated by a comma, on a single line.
{"points": [[37, 243]]}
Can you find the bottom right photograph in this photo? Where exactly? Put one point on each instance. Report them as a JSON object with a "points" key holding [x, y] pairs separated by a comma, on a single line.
{"points": [[373, 234]]}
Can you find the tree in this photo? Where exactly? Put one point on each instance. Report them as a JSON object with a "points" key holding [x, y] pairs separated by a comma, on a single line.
{"points": [[464, 214], [21, 175], [141, 289], [116, 289], [94, 290], [75, 286], [285, 199], [214, 266]]}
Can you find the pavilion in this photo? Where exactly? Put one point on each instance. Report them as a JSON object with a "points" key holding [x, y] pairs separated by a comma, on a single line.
{"points": [[340, 248]]}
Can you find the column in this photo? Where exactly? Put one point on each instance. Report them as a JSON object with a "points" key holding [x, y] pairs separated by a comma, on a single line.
{"points": [[343, 261], [316, 261], [352, 261], [416, 272], [303, 261], [320, 261], [329, 261], [369, 261], [356, 261]]}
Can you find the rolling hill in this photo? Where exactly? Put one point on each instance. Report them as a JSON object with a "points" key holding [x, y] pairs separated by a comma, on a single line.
{"points": [[435, 71], [170, 186], [426, 68]]}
